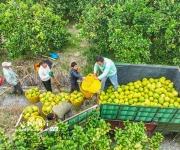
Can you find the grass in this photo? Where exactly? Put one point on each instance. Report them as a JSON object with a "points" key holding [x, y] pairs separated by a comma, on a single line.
{"points": [[9, 117]]}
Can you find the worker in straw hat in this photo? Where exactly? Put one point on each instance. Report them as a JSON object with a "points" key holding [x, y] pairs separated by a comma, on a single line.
{"points": [[12, 78]]}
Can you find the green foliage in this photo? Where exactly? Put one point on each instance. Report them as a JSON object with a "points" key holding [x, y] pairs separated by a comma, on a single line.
{"points": [[139, 31], [133, 137], [94, 135], [26, 138], [30, 29], [4, 140], [70, 9], [90, 54], [154, 141]]}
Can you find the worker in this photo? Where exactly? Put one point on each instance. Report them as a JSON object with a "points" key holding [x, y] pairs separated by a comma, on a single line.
{"points": [[45, 74], [59, 111], [108, 69], [74, 76], [12, 78]]}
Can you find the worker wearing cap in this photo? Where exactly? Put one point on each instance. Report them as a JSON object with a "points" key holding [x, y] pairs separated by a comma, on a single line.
{"points": [[59, 111], [12, 78]]}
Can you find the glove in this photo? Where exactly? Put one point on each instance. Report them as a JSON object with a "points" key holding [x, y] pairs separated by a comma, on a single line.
{"points": [[50, 73]]}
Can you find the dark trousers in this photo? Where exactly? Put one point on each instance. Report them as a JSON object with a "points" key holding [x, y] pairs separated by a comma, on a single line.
{"points": [[47, 85], [74, 87], [17, 88]]}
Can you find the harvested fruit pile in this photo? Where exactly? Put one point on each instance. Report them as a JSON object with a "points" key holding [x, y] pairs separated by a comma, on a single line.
{"points": [[46, 97], [49, 100], [32, 92], [76, 96], [147, 92], [61, 97], [30, 111], [37, 122]]}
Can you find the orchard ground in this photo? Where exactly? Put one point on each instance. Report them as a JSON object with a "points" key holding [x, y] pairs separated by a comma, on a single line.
{"points": [[11, 106]]}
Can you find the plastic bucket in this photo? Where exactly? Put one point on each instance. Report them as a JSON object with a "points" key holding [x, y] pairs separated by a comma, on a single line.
{"points": [[33, 99], [41, 124], [86, 94], [45, 112], [90, 84], [36, 67], [77, 103], [30, 116]]}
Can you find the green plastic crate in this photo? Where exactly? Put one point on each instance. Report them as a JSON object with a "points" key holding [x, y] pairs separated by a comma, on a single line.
{"points": [[145, 119], [127, 113], [125, 118], [172, 127], [110, 117], [109, 112], [164, 120], [89, 112], [177, 116], [156, 119], [129, 108], [48, 133], [164, 115], [167, 110], [113, 107], [175, 121], [83, 116], [178, 112], [82, 122], [145, 114], [73, 120], [160, 127], [149, 109]]}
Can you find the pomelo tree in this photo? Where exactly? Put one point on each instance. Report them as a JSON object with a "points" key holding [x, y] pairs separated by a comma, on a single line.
{"points": [[28, 29], [138, 31]]}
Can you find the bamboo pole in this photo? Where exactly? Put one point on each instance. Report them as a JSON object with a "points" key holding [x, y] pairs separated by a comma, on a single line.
{"points": [[8, 88]]}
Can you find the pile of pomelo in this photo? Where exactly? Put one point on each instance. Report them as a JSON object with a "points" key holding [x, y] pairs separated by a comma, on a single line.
{"points": [[46, 97], [30, 111], [76, 96], [146, 92], [61, 97], [47, 107], [32, 92], [37, 121]]}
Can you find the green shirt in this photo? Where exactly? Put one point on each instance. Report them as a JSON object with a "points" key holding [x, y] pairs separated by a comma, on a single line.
{"points": [[108, 68], [61, 109]]}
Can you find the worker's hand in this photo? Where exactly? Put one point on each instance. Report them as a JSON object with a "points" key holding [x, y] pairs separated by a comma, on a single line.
{"points": [[95, 75], [50, 73], [83, 78], [96, 78]]}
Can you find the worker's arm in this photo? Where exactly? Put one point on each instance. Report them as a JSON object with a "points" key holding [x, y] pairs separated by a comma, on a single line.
{"points": [[105, 72], [76, 75], [95, 69]]}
